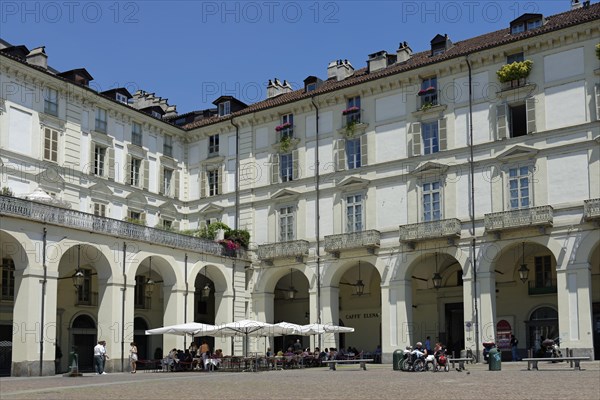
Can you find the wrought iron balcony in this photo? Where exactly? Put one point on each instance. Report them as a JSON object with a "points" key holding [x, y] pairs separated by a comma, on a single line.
{"points": [[535, 288], [445, 228], [91, 223], [591, 209], [293, 248], [536, 216], [355, 240]]}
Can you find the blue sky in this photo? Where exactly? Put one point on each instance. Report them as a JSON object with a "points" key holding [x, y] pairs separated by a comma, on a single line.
{"points": [[191, 52]]}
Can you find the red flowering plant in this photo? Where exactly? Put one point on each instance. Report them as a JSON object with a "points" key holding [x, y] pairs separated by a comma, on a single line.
{"points": [[425, 91], [350, 110], [283, 126], [229, 244]]}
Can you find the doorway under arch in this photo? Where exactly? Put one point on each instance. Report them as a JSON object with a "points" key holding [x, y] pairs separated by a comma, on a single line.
{"points": [[83, 340], [542, 324]]}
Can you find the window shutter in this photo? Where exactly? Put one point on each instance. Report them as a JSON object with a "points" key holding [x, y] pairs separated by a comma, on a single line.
{"points": [[274, 168], [340, 154], [221, 180], [161, 182], [414, 139], [202, 224], [203, 183], [364, 153], [295, 165], [597, 89], [128, 170], [92, 157], [176, 189], [502, 121], [110, 163], [530, 111], [146, 172], [442, 134], [143, 217]]}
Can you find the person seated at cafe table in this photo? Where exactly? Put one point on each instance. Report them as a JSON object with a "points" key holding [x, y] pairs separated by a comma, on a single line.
{"points": [[280, 353], [218, 353]]}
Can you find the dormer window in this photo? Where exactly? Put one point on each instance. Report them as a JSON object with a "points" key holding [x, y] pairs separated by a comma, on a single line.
{"points": [[121, 98], [311, 87], [156, 114], [526, 22], [439, 44], [312, 83], [224, 108]]}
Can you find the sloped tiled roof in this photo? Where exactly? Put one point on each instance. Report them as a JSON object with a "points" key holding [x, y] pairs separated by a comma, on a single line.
{"points": [[461, 48]]}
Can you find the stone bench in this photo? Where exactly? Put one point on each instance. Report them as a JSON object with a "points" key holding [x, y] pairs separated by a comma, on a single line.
{"points": [[532, 363], [362, 361], [461, 361]]}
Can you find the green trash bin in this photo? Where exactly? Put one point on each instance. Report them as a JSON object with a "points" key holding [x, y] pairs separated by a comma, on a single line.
{"points": [[397, 357], [495, 359]]}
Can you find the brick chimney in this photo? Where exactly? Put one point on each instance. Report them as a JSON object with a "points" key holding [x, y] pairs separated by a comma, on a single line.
{"points": [[38, 57], [404, 52]]}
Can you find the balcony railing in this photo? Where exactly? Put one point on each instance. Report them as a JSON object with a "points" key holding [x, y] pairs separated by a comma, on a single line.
{"points": [[430, 230], [535, 289], [294, 248], [355, 240], [591, 209], [535, 216], [88, 222]]}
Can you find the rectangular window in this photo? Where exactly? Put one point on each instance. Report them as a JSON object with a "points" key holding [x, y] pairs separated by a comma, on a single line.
{"points": [[431, 202], [431, 139], [352, 111], [84, 294], [50, 145], [213, 182], [517, 57], [353, 153], [517, 119], [134, 172], [99, 210], [213, 144], [286, 167], [136, 134], [51, 102], [167, 178], [428, 92], [167, 224], [354, 213], [224, 108], [100, 120], [140, 292], [168, 146], [287, 126], [8, 279], [121, 98], [99, 160], [517, 28], [286, 224], [543, 272], [518, 186], [536, 23]]}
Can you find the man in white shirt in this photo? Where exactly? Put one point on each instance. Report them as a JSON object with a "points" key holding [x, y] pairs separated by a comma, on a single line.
{"points": [[99, 353]]}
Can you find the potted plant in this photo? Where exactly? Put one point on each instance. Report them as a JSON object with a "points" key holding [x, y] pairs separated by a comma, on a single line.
{"points": [[285, 144], [282, 127], [425, 91], [426, 106], [350, 110], [515, 73]]}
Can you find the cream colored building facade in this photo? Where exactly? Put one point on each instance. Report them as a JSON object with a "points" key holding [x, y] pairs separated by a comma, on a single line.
{"points": [[367, 181]]}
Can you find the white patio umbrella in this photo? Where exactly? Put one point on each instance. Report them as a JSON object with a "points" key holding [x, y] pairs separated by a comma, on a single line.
{"points": [[319, 329], [190, 328], [248, 327]]}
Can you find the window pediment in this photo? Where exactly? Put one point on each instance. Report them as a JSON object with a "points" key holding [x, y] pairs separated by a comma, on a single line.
{"points": [[50, 121], [213, 161], [168, 209], [136, 199], [285, 194], [430, 168], [168, 162], [100, 188], [136, 151], [517, 152], [354, 182], [211, 208], [102, 138]]}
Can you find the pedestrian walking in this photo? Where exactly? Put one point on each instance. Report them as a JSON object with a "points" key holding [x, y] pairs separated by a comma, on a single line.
{"points": [[99, 352], [133, 356]]}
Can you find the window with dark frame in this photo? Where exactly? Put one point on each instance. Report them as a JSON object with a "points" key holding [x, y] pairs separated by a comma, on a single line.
{"points": [[100, 120], [51, 102], [543, 271], [50, 145], [213, 177], [168, 146], [8, 279], [517, 57], [99, 160], [136, 134], [213, 144], [286, 167], [353, 153]]}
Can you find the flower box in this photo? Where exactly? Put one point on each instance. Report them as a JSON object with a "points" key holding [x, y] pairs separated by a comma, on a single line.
{"points": [[515, 71], [350, 110], [282, 127], [425, 91]]}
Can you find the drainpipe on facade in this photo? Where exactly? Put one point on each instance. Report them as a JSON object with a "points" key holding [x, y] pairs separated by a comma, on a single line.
{"points": [[317, 213], [123, 289], [473, 238], [237, 212], [43, 282], [185, 296]]}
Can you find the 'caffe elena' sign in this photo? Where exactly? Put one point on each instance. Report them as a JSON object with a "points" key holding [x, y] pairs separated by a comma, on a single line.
{"points": [[362, 315]]}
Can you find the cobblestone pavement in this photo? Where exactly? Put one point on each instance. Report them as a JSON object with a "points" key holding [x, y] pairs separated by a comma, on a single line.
{"points": [[552, 381]]}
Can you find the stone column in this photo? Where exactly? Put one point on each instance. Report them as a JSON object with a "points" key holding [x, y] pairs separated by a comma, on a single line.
{"points": [[330, 313], [400, 318], [110, 311], [575, 308], [173, 302], [223, 314], [264, 310], [27, 328], [486, 293]]}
